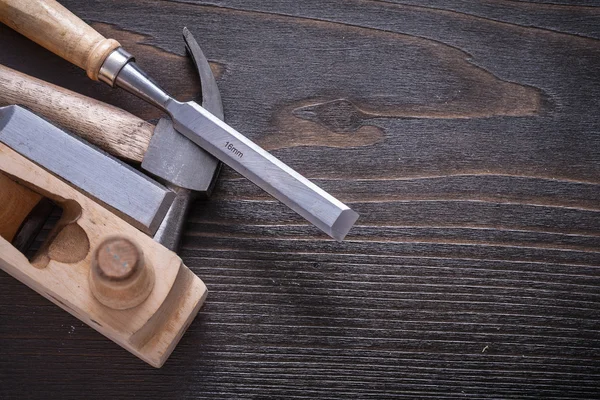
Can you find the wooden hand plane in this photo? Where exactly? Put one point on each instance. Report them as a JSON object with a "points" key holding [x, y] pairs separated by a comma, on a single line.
{"points": [[93, 263]]}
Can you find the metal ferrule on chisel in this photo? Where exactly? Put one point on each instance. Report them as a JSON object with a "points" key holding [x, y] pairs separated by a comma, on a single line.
{"points": [[225, 143]]}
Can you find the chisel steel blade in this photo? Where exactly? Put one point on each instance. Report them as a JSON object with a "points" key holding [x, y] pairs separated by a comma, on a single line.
{"points": [[266, 171], [240, 153]]}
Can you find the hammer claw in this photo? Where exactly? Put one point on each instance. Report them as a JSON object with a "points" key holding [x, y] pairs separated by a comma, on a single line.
{"points": [[211, 97]]}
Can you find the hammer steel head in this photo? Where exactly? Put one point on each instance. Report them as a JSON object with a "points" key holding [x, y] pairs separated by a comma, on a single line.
{"points": [[177, 160], [173, 157]]}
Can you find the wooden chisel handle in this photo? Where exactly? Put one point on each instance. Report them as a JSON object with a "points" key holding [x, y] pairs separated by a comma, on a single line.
{"points": [[110, 128], [52, 26]]}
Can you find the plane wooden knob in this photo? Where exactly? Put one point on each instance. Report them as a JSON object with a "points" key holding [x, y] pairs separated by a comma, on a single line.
{"points": [[119, 277]]}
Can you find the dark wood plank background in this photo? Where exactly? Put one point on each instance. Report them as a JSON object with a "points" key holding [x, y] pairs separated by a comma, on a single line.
{"points": [[465, 133]]}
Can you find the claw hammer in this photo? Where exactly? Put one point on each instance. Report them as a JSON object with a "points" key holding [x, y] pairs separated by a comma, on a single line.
{"points": [[186, 169]]}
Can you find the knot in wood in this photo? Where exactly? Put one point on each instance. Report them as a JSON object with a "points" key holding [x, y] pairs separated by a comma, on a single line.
{"points": [[339, 116]]}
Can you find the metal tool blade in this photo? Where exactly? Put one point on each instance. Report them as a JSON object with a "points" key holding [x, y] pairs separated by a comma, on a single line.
{"points": [[273, 176], [169, 232], [266, 171], [130, 194]]}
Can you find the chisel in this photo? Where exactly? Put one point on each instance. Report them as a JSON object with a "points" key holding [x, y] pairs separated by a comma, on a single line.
{"points": [[53, 26]]}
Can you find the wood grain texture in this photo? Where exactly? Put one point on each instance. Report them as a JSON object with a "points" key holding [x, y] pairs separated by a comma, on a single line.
{"points": [[466, 136]]}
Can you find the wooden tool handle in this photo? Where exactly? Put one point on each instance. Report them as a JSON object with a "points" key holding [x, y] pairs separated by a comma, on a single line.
{"points": [[110, 128], [52, 26]]}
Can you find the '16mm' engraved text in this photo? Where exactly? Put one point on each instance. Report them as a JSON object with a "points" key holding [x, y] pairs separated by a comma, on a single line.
{"points": [[232, 149]]}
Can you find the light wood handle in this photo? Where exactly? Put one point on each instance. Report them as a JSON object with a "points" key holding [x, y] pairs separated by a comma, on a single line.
{"points": [[110, 128], [52, 26], [16, 202]]}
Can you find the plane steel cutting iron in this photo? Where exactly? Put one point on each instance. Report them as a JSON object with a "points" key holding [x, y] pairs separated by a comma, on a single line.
{"points": [[130, 194], [56, 28]]}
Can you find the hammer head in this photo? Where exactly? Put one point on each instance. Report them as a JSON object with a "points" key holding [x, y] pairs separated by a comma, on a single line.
{"points": [[173, 157]]}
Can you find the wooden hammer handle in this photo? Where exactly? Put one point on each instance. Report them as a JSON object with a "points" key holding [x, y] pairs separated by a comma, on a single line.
{"points": [[110, 128], [52, 26]]}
